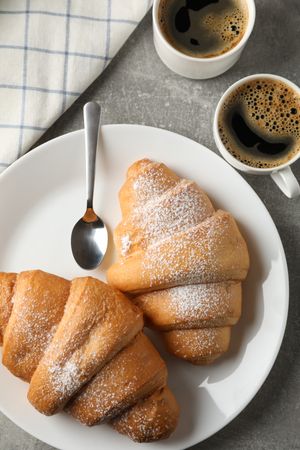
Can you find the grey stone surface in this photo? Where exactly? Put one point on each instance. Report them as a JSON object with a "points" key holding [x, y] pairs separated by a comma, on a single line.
{"points": [[137, 88]]}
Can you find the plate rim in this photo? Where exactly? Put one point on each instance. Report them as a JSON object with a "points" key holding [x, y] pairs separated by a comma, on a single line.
{"points": [[31, 154]]}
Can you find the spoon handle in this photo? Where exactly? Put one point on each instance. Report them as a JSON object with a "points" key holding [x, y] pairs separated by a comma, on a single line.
{"points": [[91, 116]]}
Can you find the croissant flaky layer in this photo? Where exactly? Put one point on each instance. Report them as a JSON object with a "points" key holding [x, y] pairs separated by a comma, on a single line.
{"points": [[210, 252], [182, 261], [80, 346]]}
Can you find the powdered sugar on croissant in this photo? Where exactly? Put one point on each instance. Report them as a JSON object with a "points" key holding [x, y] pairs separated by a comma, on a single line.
{"points": [[179, 254], [80, 346]]}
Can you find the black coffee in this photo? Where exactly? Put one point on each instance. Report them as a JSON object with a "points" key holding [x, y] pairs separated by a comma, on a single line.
{"points": [[203, 28], [260, 123]]}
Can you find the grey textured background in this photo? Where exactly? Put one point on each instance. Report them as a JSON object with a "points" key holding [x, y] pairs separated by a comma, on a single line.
{"points": [[137, 88]]}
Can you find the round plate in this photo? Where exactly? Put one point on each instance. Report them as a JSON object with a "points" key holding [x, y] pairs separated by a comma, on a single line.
{"points": [[42, 196]]}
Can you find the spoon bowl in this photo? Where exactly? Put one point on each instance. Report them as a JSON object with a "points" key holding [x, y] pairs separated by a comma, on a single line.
{"points": [[89, 241], [89, 238]]}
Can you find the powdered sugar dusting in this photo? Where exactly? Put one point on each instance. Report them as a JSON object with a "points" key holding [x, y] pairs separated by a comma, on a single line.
{"points": [[176, 210], [150, 419], [206, 341], [199, 300], [149, 183], [136, 371], [188, 259], [126, 243], [34, 324], [107, 395], [35, 315], [65, 379], [196, 344]]}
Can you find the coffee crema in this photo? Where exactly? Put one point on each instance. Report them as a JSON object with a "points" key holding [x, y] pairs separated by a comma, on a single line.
{"points": [[203, 28], [259, 123]]}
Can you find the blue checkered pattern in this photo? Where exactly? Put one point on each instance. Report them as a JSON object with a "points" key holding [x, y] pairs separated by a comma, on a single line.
{"points": [[50, 51]]}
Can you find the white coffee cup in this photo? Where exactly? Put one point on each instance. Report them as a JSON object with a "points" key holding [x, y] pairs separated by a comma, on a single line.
{"points": [[282, 175], [198, 68]]}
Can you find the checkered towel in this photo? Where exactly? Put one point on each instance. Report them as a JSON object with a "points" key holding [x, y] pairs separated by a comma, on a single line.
{"points": [[50, 51]]}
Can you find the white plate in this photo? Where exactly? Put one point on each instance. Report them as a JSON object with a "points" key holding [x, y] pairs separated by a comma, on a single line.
{"points": [[41, 197]]}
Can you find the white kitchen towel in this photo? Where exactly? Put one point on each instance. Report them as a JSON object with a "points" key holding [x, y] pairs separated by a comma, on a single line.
{"points": [[50, 52]]}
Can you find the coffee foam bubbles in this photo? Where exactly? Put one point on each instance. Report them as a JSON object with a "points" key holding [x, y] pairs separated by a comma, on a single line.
{"points": [[218, 26], [229, 28], [272, 109]]}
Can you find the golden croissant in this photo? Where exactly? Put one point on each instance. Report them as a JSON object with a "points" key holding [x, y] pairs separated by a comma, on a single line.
{"points": [[182, 261], [80, 346]]}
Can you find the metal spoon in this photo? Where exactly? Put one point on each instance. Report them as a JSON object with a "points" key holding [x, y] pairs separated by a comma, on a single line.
{"points": [[89, 237]]}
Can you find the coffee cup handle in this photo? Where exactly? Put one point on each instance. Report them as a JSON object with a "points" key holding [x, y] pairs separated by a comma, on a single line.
{"points": [[286, 181]]}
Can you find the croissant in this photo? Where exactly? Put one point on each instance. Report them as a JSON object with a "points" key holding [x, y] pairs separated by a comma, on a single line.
{"points": [[81, 347], [182, 261]]}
